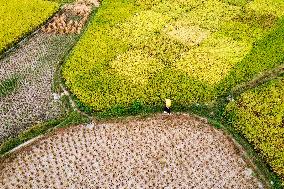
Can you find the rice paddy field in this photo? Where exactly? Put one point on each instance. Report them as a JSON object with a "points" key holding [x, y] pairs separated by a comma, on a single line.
{"points": [[21, 17], [125, 154], [83, 82], [189, 51]]}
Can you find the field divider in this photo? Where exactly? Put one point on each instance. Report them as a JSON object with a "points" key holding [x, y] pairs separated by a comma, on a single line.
{"points": [[258, 80], [58, 73], [73, 104]]}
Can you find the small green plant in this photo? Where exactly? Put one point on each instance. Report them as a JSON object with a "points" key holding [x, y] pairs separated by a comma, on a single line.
{"points": [[7, 86]]}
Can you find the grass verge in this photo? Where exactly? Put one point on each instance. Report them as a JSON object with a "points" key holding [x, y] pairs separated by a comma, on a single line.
{"points": [[73, 118]]}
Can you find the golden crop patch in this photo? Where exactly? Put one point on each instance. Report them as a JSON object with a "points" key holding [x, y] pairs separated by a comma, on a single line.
{"points": [[18, 18], [268, 6], [213, 59], [258, 115], [136, 66], [191, 35], [184, 50]]}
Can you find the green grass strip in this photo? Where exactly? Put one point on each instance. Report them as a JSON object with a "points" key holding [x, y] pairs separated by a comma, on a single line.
{"points": [[74, 118], [8, 86]]}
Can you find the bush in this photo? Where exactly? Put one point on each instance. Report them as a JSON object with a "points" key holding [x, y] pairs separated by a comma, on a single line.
{"points": [[259, 115]]}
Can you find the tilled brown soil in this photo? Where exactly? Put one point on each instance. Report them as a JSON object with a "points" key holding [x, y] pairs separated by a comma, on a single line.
{"points": [[176, 151]]}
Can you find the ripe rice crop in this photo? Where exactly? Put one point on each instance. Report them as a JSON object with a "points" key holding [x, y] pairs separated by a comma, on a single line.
{"points": [[190, 51], [19, 17], [258, 115]]}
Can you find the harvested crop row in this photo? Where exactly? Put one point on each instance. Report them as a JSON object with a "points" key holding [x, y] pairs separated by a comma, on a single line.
{"points": [[72, 19], [258, 115], [189, 51], [28, 93], [18, 18], [175, 151]]}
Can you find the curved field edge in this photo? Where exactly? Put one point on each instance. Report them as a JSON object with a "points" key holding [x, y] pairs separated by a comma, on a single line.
{"points": [[59, 82], [72, 118], [245, 149], [258, 115], [20, 18]]}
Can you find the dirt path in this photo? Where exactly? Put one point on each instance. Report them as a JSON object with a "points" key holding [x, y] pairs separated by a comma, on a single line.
{"points": [[161, 152]]}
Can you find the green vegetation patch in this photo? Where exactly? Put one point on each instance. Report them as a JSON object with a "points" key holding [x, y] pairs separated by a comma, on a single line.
{"points": [[18, 18], [259, 115], [188, 51], [267, 53], [7, 86]]}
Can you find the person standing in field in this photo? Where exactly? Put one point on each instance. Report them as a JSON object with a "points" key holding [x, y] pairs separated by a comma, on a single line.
{"points": [[167, 108]]}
